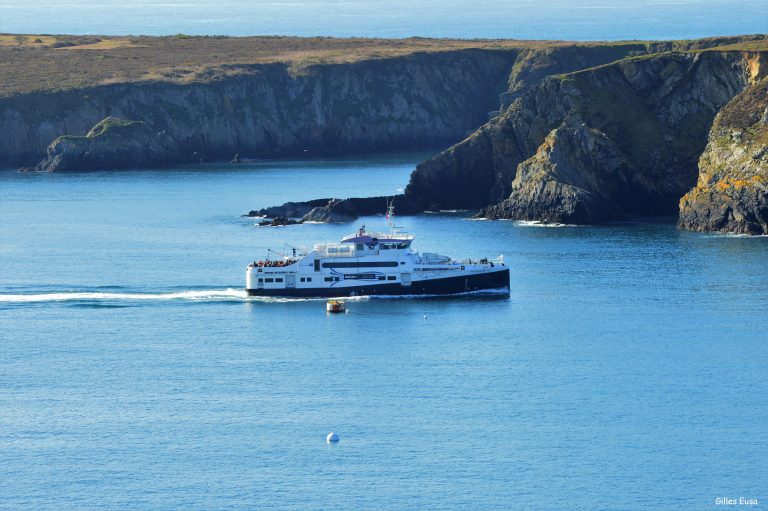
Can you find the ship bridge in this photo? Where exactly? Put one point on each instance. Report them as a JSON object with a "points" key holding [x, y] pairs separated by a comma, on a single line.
{"points": [[380, 240]]}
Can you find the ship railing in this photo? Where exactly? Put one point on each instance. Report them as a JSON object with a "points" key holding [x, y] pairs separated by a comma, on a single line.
{"points": [[484, 260], [276, 263]]}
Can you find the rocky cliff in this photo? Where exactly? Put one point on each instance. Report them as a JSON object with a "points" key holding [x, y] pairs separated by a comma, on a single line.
{"points": [[731, 194], [594, 145], [417, 100], [278, 96]]}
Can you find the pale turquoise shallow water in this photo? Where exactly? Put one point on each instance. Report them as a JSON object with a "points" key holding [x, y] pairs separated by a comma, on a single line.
{"points": [[625, 370], [519, 19]]}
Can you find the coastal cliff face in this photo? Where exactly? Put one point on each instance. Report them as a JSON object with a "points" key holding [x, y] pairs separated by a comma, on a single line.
{"points": [[265, 110], [218, 97], [731, 194], [592, 146]]}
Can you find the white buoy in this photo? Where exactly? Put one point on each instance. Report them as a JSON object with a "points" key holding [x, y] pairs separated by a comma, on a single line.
{"points": [[425, 316], [332, 438]]}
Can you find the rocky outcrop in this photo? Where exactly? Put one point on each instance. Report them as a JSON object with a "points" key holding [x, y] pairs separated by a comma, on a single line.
{"points": [[592, 146], [576, 177], [112, 144], [337, 210], [731, 194], [289, 209], [280, 221]]}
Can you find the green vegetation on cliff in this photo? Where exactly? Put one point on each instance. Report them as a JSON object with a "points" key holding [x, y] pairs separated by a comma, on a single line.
{"points": [[731, 194]]}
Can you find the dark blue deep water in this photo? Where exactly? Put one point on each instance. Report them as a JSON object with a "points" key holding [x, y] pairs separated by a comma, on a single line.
{"points": [[626, 369]]}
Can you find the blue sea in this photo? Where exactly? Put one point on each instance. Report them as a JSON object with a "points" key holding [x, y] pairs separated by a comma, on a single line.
{"points": [[518, 19], [625, 370]]}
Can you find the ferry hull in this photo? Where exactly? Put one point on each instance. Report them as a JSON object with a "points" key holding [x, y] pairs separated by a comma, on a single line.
{"points": [[442, 286]]}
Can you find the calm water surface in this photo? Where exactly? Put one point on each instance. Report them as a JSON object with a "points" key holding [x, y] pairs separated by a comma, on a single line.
{"points": [[626, 369], [520, 19]]}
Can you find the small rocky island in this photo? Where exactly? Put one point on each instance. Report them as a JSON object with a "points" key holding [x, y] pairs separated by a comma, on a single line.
{"points": [[555, 132]]}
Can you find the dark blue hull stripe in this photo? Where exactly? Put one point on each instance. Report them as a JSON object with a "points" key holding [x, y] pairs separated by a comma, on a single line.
{"points": [[444, 286]]}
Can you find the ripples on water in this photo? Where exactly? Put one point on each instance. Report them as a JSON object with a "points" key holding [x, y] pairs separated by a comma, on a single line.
{"points": [[519, 19], [625, 369]]}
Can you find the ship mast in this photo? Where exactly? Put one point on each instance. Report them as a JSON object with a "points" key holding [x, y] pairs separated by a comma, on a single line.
{"points": [[391, 215]]}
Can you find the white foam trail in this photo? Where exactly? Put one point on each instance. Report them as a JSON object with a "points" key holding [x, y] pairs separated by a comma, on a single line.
{"points": [[736, 235], [213, 295], [536, 223], [206, 295]]}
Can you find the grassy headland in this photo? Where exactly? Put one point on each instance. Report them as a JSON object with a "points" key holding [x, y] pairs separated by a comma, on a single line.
{"points": [[45, 63]]}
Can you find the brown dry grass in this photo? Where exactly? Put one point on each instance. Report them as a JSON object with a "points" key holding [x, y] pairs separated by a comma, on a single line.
{"points": [[746, 109], [53, 64]]}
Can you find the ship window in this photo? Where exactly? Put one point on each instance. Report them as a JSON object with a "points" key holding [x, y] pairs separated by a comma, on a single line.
{"points": [[328, 279], [402, 245], [269, 280], [261, 280], [309, 279], [278, 280], [383, 246], [402, 262], [360, 247], [317, 264], [382, 278], [303, 279], [336, 279], [391, 277]]}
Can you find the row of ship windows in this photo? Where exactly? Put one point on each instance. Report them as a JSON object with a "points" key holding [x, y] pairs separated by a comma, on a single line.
{"points": [[327, 279], [303, 279], [336, 279], [271, 280], [383, 246]]}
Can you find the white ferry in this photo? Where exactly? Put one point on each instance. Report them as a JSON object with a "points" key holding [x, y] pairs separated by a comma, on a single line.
{"points": [[369, 263]]}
